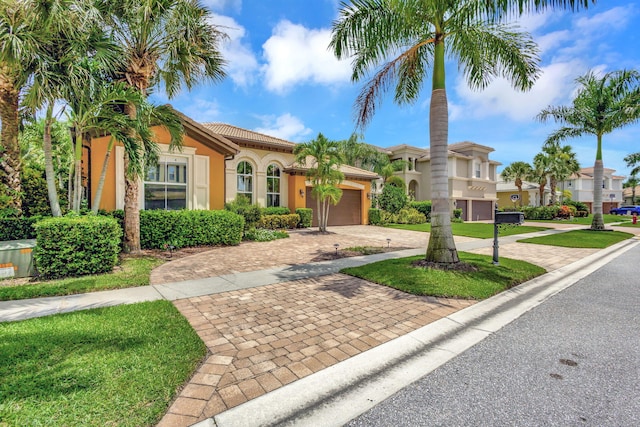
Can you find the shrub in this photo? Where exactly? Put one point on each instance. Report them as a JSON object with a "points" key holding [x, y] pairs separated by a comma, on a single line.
{"points": [[392, 199], [241, 206], [375, 216], [395, 181], [18, 228], [278, 222], [423, 206], [582, 214], [264, 235], [540, 212], [410, 216], [275, 210], [578, 205], [189, 228], [75, 246], [457, 214], [306, 216]]}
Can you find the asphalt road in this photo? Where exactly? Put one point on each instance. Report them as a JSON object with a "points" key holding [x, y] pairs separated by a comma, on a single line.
{"points": [[572, 361]]}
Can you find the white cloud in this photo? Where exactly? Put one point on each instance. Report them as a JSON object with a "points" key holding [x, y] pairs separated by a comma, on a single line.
{"points": [[553, 86], [200, 110], [241, 62], [285, 126], [295, 54]]}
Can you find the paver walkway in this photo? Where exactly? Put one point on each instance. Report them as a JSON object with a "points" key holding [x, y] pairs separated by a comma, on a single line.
{"points": [[263, 338]]}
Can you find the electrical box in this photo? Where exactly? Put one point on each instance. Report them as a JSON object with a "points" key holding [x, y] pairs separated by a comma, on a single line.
{"points": [[16, 258]]}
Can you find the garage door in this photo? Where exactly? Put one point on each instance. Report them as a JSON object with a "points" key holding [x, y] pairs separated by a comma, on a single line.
{"points": [[481, 210], [346, 212]]}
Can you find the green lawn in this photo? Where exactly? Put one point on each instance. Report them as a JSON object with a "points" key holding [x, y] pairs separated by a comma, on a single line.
{"points": [[581, 239], [132, 272], [116, 366], [607, 218], [487, 281], [478, 230]]}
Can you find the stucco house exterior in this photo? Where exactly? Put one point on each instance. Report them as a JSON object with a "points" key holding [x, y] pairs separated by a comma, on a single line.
{"points": [[217, 163], [581, 186], [628, 195], [508, 193], [472, 177]]}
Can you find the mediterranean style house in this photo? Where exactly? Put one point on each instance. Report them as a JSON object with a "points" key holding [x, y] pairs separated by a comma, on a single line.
{"points": [[217, 163], [472, 177], [581, 186]]}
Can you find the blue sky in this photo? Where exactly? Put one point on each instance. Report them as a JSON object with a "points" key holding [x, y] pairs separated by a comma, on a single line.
{"points": [[283, 81]]}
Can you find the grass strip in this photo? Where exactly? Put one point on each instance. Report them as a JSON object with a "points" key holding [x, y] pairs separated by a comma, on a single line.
{"points": [[116, 366], [585, 220], [479, 230], [133, 271], [487, 281], [581, 239]]}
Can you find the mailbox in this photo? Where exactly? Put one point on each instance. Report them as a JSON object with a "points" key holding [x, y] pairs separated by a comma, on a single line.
{"points": [[509, 217]]}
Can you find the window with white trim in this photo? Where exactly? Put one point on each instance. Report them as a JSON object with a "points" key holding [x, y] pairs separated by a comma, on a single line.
{"points": [[245, 180], [165, 186], [478, 172], [273, 185]]}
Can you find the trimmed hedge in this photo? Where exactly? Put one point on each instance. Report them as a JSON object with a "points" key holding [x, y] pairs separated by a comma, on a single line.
{"points": [[306, 216], [275, 210], [278, 222], [18, 228], [76, 246], [423, 206], [159, 228], [241, 206]]}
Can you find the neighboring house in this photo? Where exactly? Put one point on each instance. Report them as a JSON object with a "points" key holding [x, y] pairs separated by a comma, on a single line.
{"points": [[217, 163], [627, 195], [508, 194], [472, 177], [581, 186]]}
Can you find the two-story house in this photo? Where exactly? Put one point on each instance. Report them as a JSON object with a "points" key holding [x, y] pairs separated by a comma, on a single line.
{"points": [[472, 177], [581, 185]]}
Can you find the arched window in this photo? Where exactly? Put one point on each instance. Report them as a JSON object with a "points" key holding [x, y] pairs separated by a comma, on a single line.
{"points": [[245, 180], [273, 185]]}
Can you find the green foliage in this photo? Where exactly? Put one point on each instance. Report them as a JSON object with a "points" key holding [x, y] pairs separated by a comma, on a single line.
{"points": [[75, 246], [6, 200], [396, 181], [278, 222], [275, 210], [242, 206], [189, 228], [18, 228], [578, 205], [306, 217], [423, 206], [375, 216], [540, 212], [35, 199], [392, 199], [457, 214], [264, 235], [409, 216], [115, 366]]}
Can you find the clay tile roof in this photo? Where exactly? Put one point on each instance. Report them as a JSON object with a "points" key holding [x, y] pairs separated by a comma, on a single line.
{"points": [[348, 171], [240, 135]]}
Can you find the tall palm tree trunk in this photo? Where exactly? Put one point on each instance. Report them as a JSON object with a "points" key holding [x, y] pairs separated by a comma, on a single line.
{"points": [[441, 247], [553, 182], [49, 172], [77, 171], [10, 161], [597, 222], [131, 200]]}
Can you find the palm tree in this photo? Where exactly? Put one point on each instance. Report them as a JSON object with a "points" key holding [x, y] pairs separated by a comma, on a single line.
{"points": [[325, 159], [632, 182], [540, 172], [516, 172], [167, 43], [563, 164], [417, 35], [601, 105], [633, 161]]}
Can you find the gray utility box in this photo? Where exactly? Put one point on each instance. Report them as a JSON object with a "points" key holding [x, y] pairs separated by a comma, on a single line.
{"points": [[509, 217], [16, 258]]}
